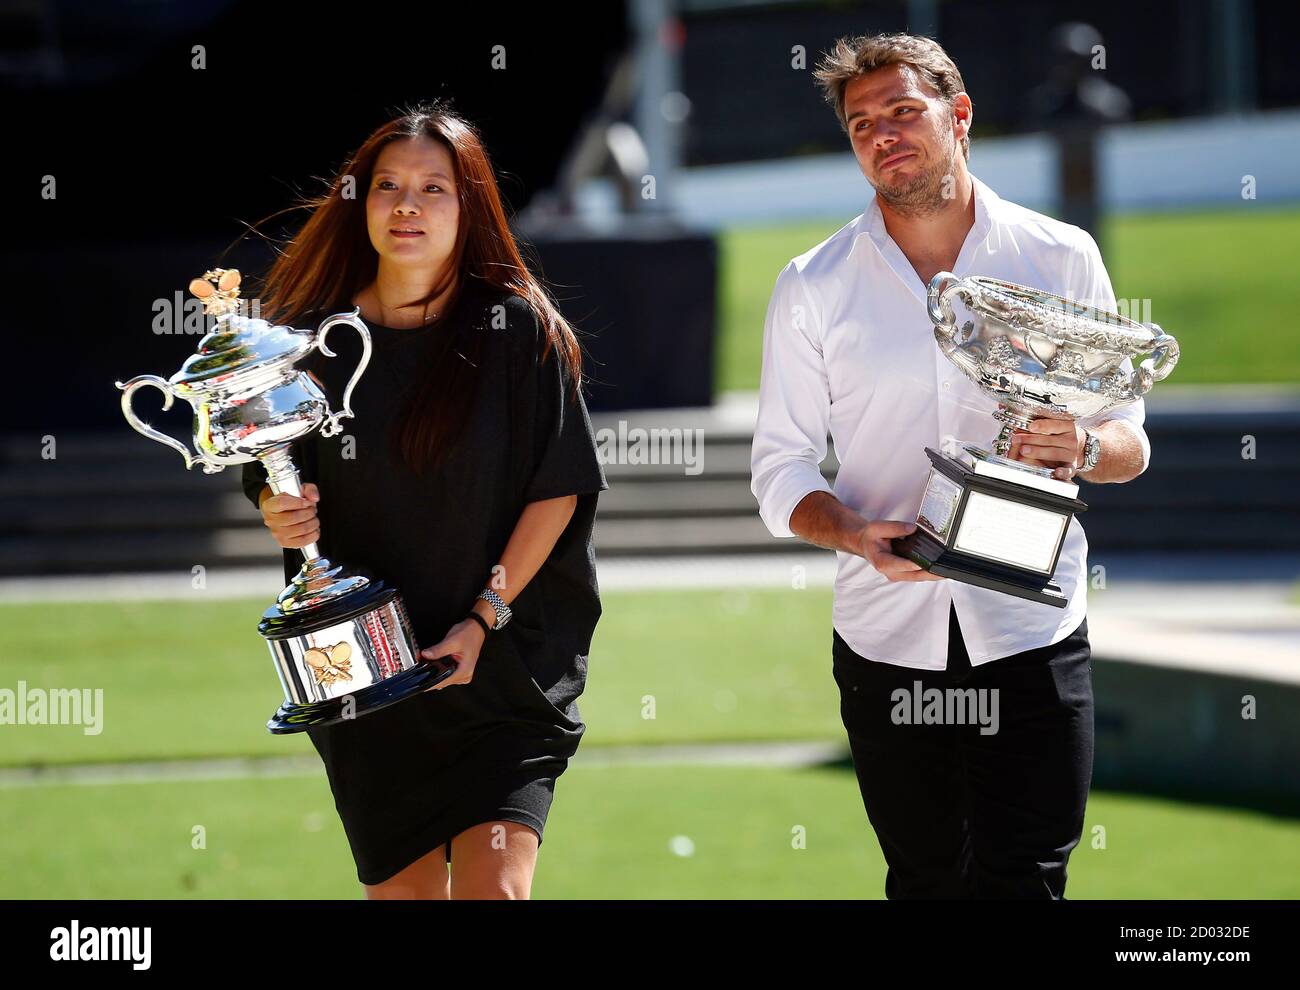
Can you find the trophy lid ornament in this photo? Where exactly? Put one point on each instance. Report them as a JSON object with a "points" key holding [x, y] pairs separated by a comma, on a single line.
{"points": [[237, 345], [219, 290], [249, 396]]}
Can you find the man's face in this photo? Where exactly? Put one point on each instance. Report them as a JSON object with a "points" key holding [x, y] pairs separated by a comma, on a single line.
{"points": [[905, 137]]}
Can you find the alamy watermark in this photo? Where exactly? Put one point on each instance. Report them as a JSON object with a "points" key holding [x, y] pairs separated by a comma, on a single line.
{"points": [[53, 706], [656, 445], [104, 944], [185, 315], [946, 706]]}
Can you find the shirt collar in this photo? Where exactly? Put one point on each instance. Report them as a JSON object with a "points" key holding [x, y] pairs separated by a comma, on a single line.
{"points": [[987, 205]]}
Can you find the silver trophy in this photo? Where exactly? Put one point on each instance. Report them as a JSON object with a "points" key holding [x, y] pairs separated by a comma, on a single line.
{"points": [[986, 519], [341, 640]]}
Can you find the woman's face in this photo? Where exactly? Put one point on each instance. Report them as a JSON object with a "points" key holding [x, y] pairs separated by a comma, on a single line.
{"points": [[413, 188]]}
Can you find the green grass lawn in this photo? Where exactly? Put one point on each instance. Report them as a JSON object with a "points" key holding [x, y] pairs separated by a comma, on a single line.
{"points": [[193, 678], [1219, 281], [631, 832]]}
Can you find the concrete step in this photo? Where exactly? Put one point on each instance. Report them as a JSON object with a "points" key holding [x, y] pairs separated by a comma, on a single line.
{"points": [[1272, 494], [140, 549], [116, 502]]}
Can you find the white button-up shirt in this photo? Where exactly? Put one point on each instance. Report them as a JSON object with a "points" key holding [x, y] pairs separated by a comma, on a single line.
{"points": [[849, 348]]}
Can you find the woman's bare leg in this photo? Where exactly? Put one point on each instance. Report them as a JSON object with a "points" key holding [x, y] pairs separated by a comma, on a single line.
{"points": [[494, 860], [425, 879]]}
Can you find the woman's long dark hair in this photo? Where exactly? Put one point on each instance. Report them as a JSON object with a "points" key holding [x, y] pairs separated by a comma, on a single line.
{"points": [[331, 259]]}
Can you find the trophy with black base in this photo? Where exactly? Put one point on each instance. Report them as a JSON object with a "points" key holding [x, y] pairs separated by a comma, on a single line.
{"points": [[341, 640], [986, 519]]}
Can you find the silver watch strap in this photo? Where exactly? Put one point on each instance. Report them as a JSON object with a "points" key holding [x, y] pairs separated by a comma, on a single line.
{"points": [[1091, 449], [498, 604]]}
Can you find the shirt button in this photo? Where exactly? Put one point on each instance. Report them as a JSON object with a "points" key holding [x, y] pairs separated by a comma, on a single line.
{"points": [[946, 386]]}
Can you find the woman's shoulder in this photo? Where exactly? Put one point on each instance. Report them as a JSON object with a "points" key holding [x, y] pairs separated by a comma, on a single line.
{"points": [[508, 315], [507, 307]]}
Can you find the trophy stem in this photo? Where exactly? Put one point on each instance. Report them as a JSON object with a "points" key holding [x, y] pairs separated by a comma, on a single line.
{"points": [[282, 476], [1011, 421]]}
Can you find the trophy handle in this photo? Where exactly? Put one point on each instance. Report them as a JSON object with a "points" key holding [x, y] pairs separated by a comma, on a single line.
{"points": [[333, 422], [939, 303], [1161, 363], [129, 389]]}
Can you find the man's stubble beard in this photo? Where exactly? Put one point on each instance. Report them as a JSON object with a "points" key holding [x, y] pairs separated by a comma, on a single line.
{"points": [[922, 194]]}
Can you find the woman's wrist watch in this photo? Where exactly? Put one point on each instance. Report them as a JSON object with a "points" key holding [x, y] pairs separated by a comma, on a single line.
{"points": [[501, 609]]}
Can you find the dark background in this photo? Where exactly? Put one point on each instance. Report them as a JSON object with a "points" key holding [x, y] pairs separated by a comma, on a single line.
{"points": [[160, 167], [736, 63]]}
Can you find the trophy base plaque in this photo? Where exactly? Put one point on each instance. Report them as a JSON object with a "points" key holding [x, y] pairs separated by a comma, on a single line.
{"points": [[345, 657], [988, 521]]}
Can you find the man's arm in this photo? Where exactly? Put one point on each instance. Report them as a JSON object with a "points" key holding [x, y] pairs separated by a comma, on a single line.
{"points": [[1123, 456], [793, 407], [790, 441], [824, 521], [1058, 444]]}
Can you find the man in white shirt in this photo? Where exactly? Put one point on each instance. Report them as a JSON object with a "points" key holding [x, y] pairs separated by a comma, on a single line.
{"points": [[961, 809]]}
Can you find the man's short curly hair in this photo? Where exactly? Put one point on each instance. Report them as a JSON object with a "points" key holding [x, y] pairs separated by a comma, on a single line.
{"points": [[854, 57]]}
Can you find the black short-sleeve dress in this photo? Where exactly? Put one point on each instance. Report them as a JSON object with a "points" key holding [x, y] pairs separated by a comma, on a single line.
{"points": [[408, 778]]}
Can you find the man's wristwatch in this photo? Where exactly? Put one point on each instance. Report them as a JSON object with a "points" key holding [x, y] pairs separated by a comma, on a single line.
{"points": [[1091, 451], [498, 606]]}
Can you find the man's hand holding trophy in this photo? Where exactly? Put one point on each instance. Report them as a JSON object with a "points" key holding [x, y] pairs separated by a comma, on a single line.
{"points": [[997, 518]]}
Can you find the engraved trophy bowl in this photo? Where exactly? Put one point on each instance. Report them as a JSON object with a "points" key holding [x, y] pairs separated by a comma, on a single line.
{"points": [[984, 518], [341, 640], [1040, 354]]}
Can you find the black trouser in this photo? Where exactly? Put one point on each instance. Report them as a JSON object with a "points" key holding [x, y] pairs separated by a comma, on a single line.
{"points": [[961, 812]]}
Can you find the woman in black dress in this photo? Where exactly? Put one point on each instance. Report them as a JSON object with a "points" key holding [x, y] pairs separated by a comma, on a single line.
{"points": [[468, 474]]}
